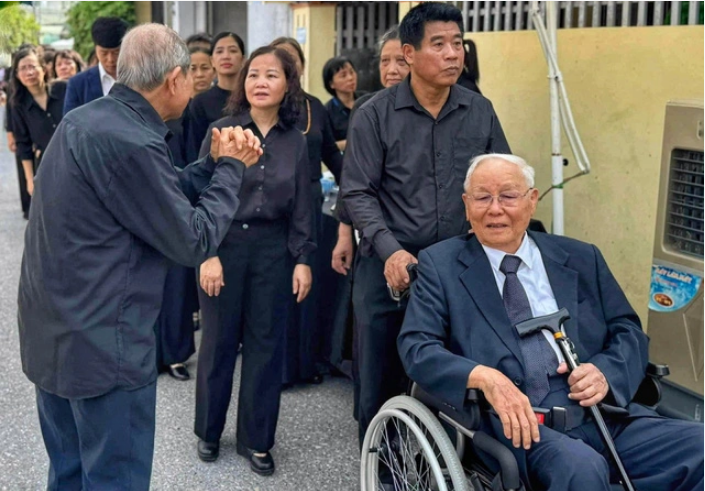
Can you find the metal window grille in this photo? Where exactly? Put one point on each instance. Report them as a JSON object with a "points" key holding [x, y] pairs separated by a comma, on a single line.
{"points": [[360, 24], [485, 16], [684, 226]]}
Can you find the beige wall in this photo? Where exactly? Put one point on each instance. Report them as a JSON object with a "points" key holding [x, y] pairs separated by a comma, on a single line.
{"points": [[618, 81], [318, 21], [143, 12]]}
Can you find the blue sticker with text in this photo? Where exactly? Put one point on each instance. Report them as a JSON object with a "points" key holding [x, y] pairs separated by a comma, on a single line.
{"points": [[671, 289]]}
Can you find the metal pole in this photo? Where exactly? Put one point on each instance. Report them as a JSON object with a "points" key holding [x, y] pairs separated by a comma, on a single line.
{"points": [[556, 156]]}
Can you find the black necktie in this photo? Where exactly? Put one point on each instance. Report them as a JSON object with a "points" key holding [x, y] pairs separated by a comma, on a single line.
{"points": [[539, 358]]}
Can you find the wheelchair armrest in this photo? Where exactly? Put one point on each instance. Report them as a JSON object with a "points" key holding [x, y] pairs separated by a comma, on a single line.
{"points": [[469, 416], [509, 470], [649, 392], [656, 370]]}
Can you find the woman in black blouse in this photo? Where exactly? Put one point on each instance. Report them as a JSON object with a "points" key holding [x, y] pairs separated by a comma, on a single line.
{"points": [[37, 109], [227, 54], [304, 340], [245, 289], [340, 81]]}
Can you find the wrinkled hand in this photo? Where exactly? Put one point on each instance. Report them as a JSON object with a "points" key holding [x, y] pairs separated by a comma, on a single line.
{"points": [[511, 405], [588, 384], [341, 259], [212, 276], [395, 269], [239, 144], [301, 282]]}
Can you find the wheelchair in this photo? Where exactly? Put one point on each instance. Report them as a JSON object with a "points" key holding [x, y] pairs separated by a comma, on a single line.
{"points": [[411, 437], [417, 442]]}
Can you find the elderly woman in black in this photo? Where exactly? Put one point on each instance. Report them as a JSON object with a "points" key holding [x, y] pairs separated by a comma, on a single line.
{"points": [[37, 109], [305, 340], [244, 289]]}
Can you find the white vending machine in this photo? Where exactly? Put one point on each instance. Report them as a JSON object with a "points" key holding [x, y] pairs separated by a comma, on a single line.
{"points": [[676, 299]]}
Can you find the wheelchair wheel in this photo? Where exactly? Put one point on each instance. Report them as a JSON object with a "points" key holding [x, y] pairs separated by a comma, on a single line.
{"points": [[406, 448]]}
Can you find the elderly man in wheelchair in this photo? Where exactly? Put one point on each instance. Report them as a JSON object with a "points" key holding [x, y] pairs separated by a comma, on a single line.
{"points": [[534, 418]]}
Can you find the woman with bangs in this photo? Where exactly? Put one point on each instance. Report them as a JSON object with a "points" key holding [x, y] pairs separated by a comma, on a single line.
{"points": [[67, 63], [244, 289]]}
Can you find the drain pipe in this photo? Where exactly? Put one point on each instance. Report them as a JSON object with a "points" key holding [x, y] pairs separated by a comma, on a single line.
{"points": [[556, 155]]}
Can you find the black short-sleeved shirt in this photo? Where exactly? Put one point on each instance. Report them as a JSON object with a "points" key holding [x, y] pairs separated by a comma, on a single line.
{"points": [[315, 124], [278, 186], [404, 170], [33, 126], [339, 118], [204, 109], [108, 206]]}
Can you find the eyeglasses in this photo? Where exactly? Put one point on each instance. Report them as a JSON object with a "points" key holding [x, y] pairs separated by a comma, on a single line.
{"points": [[508, 199], [28, 68]]}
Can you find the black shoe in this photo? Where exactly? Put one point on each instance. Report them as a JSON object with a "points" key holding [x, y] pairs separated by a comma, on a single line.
{"points": [[178, 371], [315, 380], [264, 466], [208, 451]]}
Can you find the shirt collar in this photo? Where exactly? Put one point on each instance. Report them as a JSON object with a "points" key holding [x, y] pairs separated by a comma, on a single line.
{"points": [[405, 98], [141, 106], [525, 252], [103, 73], [28, 100]]}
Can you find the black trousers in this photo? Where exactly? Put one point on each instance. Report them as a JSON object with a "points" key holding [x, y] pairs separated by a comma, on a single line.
{"points": [[304, 337], [174, 326], [378, 320], [251, 310], [99, 443], [25, 198]]}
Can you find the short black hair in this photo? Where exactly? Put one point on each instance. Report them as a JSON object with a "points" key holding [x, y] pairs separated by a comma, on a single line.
{"points": [[333, 66], [290, 107], [199, 37], [413, 25], [107, 32], [226, 34]]}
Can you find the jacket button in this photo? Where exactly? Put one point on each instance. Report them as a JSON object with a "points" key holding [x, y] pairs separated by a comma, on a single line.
{"points": [[517, 381], [245, 226]]}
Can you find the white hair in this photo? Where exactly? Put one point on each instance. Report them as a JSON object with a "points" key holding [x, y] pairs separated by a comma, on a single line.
{"points": [[526, 169], [147, 54]]}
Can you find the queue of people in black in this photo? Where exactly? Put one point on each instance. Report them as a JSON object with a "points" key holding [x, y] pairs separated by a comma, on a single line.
{"points": [[259, 294]]}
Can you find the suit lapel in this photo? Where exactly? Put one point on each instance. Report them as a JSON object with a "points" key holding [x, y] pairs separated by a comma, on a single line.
{"points": [[478, 279], [563, 280]]}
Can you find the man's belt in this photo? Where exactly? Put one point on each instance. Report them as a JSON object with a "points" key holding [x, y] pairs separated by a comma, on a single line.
{"points": [[562, 419]]}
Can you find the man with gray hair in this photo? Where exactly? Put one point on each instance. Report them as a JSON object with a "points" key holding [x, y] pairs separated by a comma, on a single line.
{"points": [[108, 207], [459, 333]]}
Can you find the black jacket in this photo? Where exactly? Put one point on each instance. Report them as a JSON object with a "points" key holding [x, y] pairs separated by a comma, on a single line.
{"points": [[108, 205]]}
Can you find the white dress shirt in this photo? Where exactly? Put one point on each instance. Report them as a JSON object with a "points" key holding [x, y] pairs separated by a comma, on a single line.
{"points": [[533, 277], [106, 80]]}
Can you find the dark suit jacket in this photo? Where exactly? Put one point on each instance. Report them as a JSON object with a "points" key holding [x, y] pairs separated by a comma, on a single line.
{"points": [[83, 87], [456, 318]]}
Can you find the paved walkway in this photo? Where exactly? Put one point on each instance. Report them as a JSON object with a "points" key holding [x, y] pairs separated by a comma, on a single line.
{"points": [[316, 441]]}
